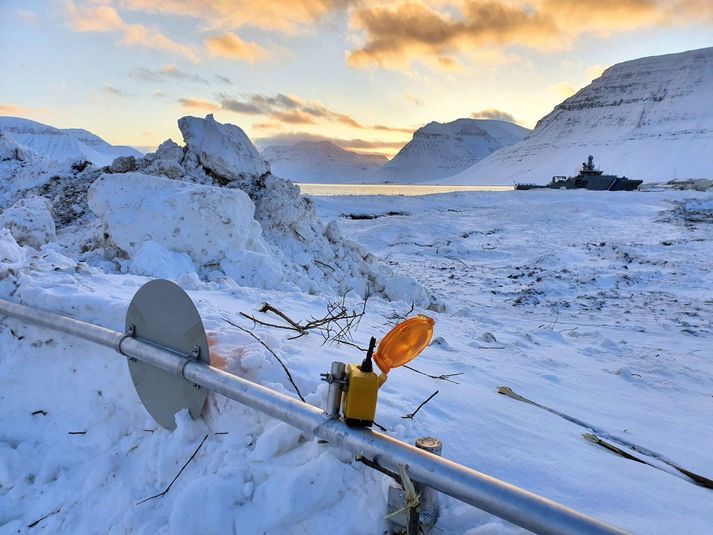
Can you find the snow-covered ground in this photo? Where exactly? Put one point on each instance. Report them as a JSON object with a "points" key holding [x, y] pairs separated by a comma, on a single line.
{"points": [[596, 304]]}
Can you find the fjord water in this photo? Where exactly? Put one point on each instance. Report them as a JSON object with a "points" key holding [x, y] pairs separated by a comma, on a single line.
{"points": [[410, 190]]}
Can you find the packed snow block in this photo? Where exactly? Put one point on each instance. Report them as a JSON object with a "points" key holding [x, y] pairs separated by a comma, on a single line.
{"points": [[223, 149], [30, 222], [148, 216], [11, 254]]}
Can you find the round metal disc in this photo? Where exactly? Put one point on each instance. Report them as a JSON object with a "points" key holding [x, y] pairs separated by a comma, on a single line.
{"points": [[162, 314]]}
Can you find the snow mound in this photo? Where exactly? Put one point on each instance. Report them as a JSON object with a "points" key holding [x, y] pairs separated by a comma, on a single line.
{"points": [[222, 149], [30, 222], [153, 219], [296, 251]]}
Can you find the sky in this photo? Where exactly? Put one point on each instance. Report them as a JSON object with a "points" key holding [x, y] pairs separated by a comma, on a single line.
{"points": [[364, 74]]}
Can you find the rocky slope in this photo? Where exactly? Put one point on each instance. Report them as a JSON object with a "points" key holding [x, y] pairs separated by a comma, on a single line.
{"points": [[60, 145], [650, 118], [320, 161], [439, 150]]}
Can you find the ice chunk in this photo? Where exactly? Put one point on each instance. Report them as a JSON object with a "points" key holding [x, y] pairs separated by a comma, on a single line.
{"points": [[223, 149]]}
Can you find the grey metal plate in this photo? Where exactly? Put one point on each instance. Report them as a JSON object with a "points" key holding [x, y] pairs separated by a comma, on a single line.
{"points": [[163, 314]]}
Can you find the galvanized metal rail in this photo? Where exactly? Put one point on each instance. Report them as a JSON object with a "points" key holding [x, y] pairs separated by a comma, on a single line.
{"points": [[501, 499]]}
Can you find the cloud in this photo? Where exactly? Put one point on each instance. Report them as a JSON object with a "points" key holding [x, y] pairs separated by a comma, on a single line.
{"points": [[9, 109], [198, 104], [232, 46], [272, 15], [290, 138], [168, 72], [492, 113], [563, 89], [223, 79], [113, 90], [413, 99], [231, 104], [293, 117], [594, 71], [438, 35], [104, 18]]}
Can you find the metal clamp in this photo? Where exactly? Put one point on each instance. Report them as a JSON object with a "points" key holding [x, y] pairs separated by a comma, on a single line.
{"points": [[195, 355], [130, 333]]}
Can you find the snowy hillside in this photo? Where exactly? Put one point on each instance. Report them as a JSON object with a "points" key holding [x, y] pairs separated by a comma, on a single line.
{"points": [[440, 150], [320, 161], [60, 145], [650, 118]]}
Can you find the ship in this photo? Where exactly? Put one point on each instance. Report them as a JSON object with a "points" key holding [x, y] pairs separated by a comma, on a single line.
{"points": [[589, 177]]}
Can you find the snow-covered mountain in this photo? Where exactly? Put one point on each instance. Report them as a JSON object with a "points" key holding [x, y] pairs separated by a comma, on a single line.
{"points": [[440, 150], [320, 161], [650, 118], [63, 144]]}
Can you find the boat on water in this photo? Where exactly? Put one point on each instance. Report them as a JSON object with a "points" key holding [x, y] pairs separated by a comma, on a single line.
{"points": [[589, 177]]}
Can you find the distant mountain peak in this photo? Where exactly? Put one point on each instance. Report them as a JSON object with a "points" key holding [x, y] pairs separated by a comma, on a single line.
{"points": [[440, 150], [648, 118]]}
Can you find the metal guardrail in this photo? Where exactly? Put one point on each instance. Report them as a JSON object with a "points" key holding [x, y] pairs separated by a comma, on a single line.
{"points": [[501, 499]]}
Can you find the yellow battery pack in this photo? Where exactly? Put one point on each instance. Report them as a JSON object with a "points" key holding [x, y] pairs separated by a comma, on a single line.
{"points": [[359, 403]]}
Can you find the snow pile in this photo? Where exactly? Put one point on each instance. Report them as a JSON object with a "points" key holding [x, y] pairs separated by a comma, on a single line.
{"points": [[154, 218], [694, 210], [222, 149], [297, 252], [30, 222], [648, 119]]}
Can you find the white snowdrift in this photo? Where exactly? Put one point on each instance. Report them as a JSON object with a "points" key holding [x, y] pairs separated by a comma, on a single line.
{"points": [[30, 222]]}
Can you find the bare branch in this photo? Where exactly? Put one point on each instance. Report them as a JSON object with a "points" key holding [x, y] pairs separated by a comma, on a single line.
{"points": [[177, 475], [284, 367], [411, 415], [443, 377]]}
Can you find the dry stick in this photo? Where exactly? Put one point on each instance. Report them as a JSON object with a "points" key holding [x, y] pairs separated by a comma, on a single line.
{"points": [[266, 307], [410, 416], [289, 375], [266, 324], [42, 518], [177, 475], [325, 265], [442, 377]]}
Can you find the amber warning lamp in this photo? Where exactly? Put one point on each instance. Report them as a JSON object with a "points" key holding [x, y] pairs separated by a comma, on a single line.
{"points": [[354, 389]]}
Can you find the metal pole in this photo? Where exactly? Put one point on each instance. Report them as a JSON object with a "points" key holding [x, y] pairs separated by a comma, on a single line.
{"points": [[501, 499]]}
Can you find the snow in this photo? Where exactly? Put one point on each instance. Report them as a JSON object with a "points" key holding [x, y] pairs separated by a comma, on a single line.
{"points": [[596, 304], [439, 150], [223, 149], [59, 145], [647, 119], [320, 162], [30, 222]]}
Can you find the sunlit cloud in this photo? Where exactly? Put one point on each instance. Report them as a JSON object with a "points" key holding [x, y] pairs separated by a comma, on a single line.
{"points": [[168, 72], [9, 109], [105, 18], [198, 104], [357, 144], [398, 34], [492, 113], [563, 89], [231, 46], [223, 79], [273, 15], [413, 99], [594, 71]]}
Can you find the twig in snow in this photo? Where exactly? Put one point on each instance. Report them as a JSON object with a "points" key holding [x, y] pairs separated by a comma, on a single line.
{"points": [[77, 433], [41, 411], [177, 475], [410, 416], [325, 265], [266, 307], [395, 317], [442, 377], [42, 518], [284, 367]]}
